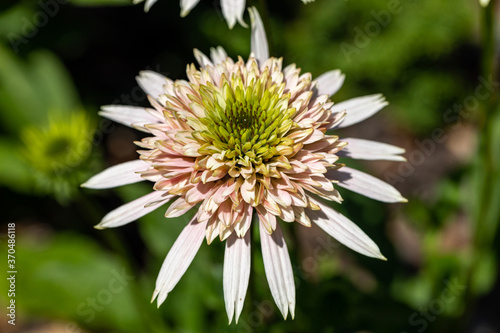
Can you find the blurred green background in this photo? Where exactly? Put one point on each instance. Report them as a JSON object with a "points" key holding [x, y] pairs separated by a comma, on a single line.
{"points": [[435, 61]]}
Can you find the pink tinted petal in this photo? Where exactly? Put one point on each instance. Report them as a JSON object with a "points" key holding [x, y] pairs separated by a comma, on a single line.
{"points": [[258, 41], [132, 116], [278, 269], [178, 207], [218, 55], [226, 213], [358, 109], [329, 83], [365, 184], [233, 11], [152, 83], [117, 175], [242, 227], [133, 210], [199, 192], [236, 274], [267, 220], [371, 150], [179, 258], [344, 230], [202, 59]]}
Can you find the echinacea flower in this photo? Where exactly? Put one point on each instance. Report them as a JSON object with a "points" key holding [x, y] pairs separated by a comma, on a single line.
{"points": [[58, 153], [232, 10], [241, 143]]}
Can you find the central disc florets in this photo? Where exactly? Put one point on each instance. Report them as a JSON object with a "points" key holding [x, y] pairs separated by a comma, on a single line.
{"points": [[246, 123]]}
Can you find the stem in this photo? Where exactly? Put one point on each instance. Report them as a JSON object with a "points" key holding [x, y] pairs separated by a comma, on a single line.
{"points": [[485, 223], [484, 227]]}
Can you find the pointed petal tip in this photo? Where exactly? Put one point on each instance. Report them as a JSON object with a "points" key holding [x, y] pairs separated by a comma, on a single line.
{"points": [[155, 293], [243, 24], [148, 5], [99, 227]]}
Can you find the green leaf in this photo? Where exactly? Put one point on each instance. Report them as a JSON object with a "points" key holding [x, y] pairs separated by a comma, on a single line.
{"points": [[19, 97], [12, 22], [53, 82], [75, 280], [28, 90], [484, 274]]}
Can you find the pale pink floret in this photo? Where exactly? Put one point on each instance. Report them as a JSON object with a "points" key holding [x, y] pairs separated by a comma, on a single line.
{"points": [[229, 194]]}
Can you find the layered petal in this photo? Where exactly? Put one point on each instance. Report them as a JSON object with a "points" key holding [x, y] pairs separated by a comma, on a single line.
{"points": [[152, 83], [364, 184], [118, 175], [344, 230], [358, 109], [187, 5], [371, 150], [218, 55], [134, 210], [233, 11], [236, 274], [278, 269], [329, 83], [179, 258], [132, 116], [258, 42]]}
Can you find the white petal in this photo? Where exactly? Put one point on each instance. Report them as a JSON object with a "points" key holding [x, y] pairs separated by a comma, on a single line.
{"points": [[233, 11], [344, 230], [484, 3], [365, 184], [201, 58], [278, 269], [148, 5], [371, 150], [236, 274], [258, 43], [133, 210], [329, 83], [187, 5], [218, 55], [179, 258], [152, 83], [359, 108], [117, 175], [132, 116]]}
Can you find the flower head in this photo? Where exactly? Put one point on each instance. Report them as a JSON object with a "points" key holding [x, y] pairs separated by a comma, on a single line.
{"points": [[246, 142], [57, 153]]}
